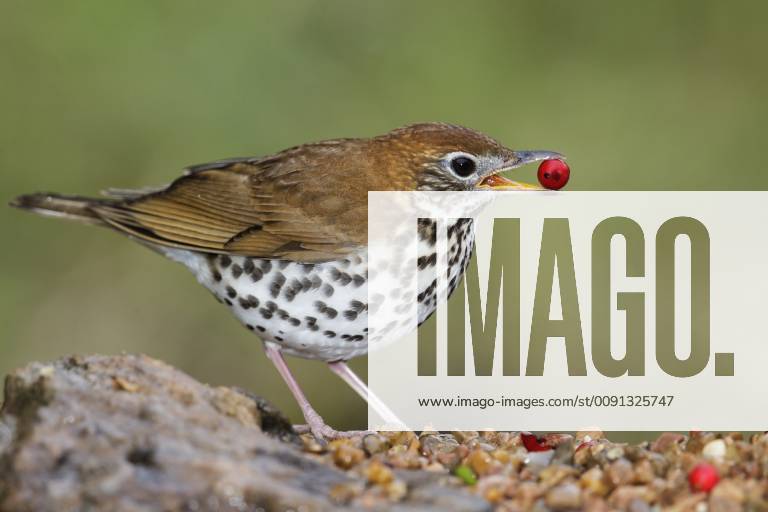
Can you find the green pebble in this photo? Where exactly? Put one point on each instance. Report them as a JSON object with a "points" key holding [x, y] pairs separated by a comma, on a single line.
{"points": [[466, 474]]}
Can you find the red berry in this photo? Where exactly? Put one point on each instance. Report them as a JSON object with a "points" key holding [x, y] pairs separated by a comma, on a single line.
{"points": [[703, 477], [533, 443], [553, 174]]}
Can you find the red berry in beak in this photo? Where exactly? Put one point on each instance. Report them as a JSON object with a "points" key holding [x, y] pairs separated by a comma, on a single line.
{"points": [[553, 174], [703, 477]]}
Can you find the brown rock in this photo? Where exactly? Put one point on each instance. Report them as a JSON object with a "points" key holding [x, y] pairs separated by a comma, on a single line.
{"points": [[130, 433]]}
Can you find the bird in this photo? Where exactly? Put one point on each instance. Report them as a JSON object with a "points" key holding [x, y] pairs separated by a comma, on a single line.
{"points": [[281, 240]]}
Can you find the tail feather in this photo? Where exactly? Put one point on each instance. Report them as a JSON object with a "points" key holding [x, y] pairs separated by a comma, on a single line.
{"points": [[55, 205]]}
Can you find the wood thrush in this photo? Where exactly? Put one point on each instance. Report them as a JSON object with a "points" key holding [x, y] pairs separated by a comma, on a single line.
{"points": [[281, 239]]}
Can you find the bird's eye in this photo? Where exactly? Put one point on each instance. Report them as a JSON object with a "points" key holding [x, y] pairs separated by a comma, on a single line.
{"points": [[463, 166]]}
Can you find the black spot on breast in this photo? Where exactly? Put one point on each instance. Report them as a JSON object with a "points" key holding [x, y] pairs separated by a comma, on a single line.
{"points": [[323, 308], [248, 266], [358, 279], [277, 285], [358, 306], [231, 293], [227, 302], [217, 276], [327, 290], [427, 291], [224, 261], [350, 315], [266, 266], [260, 328], [278, 338], [267, 314], [294, 321], [249, 327], [329, 334], [293, 288], [237, 270], [308, 267], [257, 274], [427, 229], [282, 264]]}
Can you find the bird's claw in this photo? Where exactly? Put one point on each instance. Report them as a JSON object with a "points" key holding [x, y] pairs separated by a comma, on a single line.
{"points": [[324, 432], [327, 433]]}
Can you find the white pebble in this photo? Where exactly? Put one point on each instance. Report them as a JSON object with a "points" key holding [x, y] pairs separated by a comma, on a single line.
{"points": [[714, 450]]}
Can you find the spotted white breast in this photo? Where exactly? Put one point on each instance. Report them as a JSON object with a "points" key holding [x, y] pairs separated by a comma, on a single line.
{"points": [[317, 311]]}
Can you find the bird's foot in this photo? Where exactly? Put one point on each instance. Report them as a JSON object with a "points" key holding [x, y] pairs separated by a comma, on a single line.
{"points": [[327, 433], [322, 431]]}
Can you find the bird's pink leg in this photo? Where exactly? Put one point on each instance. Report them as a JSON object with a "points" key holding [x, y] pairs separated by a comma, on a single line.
{"points": [[341, 369], [315, 422]]}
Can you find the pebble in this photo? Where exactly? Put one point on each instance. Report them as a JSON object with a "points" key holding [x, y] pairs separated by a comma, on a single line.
{"points": [[666, 441], [377, 473], [593, 480], [564, 497], [480, 462], [345, 455], [715, 450], [375, 443], [620, 472], [583, 472]]}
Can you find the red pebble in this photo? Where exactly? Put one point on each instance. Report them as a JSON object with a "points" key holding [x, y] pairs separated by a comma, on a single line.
{"points": [[533, 443], [585, 444], [703, 477], [553, 174]]}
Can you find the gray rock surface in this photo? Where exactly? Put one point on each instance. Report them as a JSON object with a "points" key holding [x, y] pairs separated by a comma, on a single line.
{"points": [[130, 433]]}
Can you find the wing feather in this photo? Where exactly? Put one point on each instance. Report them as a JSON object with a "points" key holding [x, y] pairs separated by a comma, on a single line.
{"points": [[262, 208]]}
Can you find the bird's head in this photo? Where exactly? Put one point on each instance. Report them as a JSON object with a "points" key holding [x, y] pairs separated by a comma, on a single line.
{"points": [[438, 156]]}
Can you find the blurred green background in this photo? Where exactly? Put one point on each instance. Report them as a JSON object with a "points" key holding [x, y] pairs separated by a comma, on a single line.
{"points": [[643, 95]]}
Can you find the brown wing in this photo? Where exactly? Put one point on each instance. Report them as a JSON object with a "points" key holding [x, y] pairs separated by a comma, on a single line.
{"points": [[276, 207]]}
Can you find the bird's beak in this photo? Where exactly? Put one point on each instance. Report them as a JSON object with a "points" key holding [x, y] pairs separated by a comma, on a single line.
{"points": [[494, 181]]}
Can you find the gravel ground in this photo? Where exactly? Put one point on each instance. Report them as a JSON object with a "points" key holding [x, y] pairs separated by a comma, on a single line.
{"points": [[586, 471], [130, 433]]}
